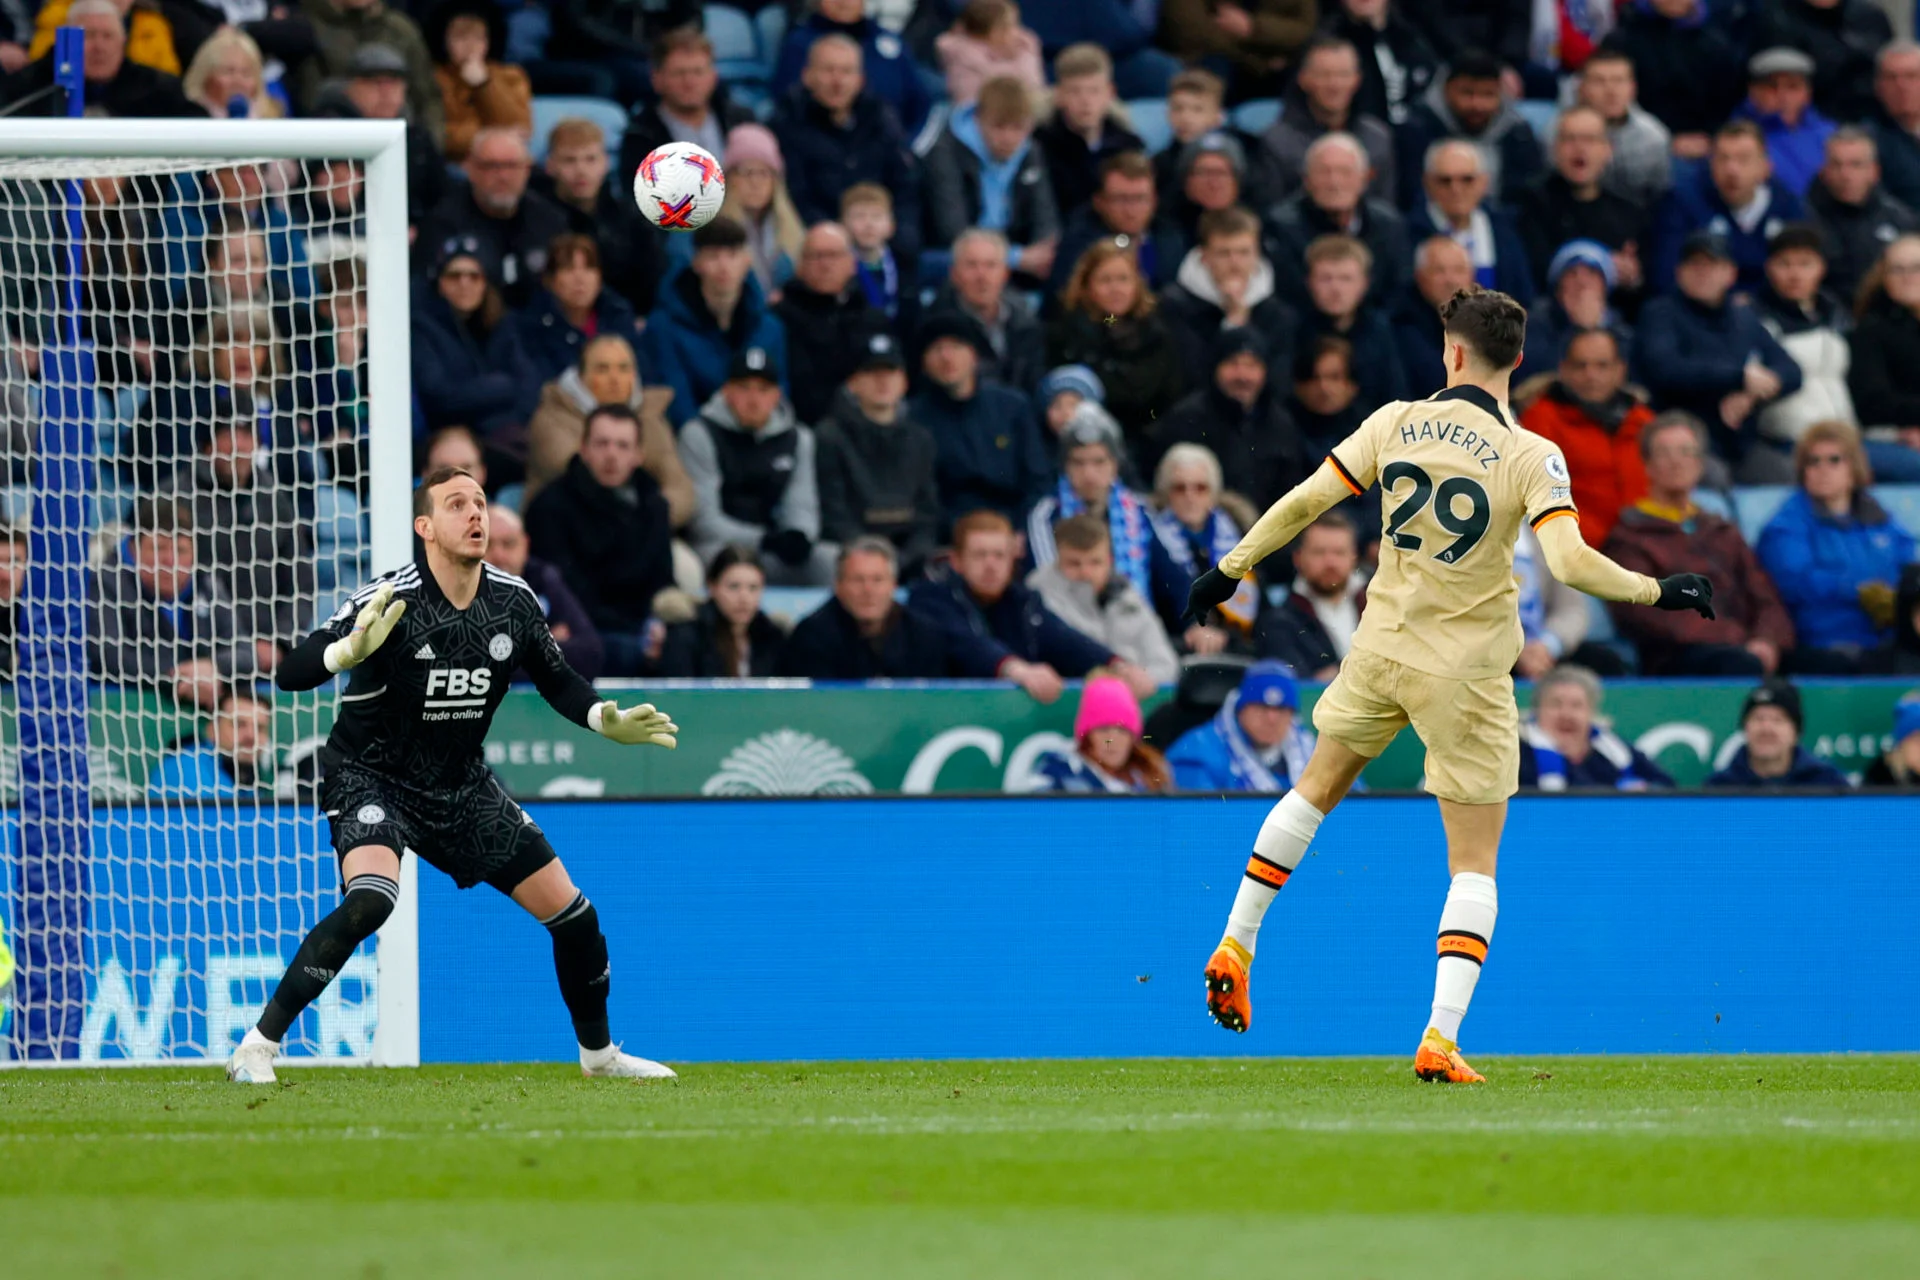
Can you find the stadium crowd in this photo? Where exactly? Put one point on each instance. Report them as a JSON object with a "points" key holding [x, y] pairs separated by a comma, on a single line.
{"points": [[1013, 319]]}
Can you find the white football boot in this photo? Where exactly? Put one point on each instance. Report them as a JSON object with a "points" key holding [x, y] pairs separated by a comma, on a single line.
{"points": [[252, 1062], [611, 1064]]}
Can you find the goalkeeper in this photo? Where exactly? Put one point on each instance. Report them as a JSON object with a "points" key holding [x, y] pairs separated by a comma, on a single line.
{"points": [[430, 648]]}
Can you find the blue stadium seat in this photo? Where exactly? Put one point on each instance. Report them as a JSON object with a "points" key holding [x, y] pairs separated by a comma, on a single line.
{"points": [[770, 24], [736, 45], [1257, 115], [1755, 506], [342, 553], [1902, 502], [1713, 502], [1539, 115], [792, 603], [551, 110], [1148, 117]]}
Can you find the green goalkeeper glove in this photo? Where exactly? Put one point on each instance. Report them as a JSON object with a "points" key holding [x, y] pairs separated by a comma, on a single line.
{"points": [[640, 726], [378, 617]]}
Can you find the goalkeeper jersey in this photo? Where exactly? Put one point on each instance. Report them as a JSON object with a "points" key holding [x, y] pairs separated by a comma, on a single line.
{"points": [[1457, 475], [418, 709]]}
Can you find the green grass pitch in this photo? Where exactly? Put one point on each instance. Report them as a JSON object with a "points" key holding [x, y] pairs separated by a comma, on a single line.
{"points": [[1348, 1168]]}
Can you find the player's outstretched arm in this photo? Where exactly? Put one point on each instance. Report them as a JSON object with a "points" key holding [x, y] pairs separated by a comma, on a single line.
{"points": [[341, 645], [1302, 505], [569, 693], [1573, 562]]}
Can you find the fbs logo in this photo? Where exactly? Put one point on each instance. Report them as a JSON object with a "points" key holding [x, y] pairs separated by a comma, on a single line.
{"points": [[459, 682]]}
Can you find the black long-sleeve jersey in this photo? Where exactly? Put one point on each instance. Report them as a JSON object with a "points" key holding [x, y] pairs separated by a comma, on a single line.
{"points": [[418, 709]]}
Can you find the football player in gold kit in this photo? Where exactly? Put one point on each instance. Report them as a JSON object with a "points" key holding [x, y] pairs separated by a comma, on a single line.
{"points": [[1436, 644]]}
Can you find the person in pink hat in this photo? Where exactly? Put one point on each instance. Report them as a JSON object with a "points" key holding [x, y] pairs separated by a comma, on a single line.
{"points": [[1108, 755]]}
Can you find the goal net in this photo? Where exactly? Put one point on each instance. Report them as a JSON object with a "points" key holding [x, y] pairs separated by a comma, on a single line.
{"points": [[192, 347]]}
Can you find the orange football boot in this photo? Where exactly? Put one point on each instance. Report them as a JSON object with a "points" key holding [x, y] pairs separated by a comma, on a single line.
{"points": [[1227, 998], [1438, 1058]]}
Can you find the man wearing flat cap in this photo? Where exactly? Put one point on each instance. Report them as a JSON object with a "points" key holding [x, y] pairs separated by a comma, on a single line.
{"points": [[1780, 101]]}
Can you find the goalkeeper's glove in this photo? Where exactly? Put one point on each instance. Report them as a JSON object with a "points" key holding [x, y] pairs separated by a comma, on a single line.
{"points": [[1209, 591], [378, 617], [640, 726], [1686, 591]]}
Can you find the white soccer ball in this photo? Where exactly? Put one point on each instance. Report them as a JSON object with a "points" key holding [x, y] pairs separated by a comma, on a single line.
{"points": [[679, 187]]}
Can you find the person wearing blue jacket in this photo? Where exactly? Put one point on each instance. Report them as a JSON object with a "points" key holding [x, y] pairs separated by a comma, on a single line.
{"points": [[1780, 102], [226, 763], [1254, 743], [469, 368], [991, 452], [891, 73], [834, 132], [707, 315], [985, 171], [571, 308], [998, 629], [1835, 554], [1772, 758], [1735, 196], [1709, 354]]}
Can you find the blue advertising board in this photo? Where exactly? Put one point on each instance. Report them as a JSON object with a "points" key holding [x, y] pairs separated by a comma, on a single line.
{"points": [[195, 911], [911, 928]]}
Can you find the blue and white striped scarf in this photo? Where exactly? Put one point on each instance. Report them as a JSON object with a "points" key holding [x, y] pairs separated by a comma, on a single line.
{"points": [[1129, 524], [1222, 535], [1294, 752]]}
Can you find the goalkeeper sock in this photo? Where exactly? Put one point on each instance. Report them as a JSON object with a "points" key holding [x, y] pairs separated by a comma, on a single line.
{"points": [[586, 977], [368, 902], [1466, 927], [1277, 850]]}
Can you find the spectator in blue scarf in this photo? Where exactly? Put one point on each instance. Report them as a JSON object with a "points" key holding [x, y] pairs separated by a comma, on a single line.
{"points": [[1254, 743], [985, 171], [1196, 532], [1780, 101], [1563, 744], [1090, 464]]}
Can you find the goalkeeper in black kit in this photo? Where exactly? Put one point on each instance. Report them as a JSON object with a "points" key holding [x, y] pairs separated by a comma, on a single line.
{"points": [[430, 648]]}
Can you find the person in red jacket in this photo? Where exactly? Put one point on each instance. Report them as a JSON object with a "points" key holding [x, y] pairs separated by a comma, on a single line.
{"points": [[1588, 411], [1664, 533]]}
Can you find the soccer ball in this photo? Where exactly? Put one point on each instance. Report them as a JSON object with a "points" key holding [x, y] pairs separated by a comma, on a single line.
{"points": [[679, 187]]}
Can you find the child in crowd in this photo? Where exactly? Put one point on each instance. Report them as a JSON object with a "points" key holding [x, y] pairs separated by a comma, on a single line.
{"points": [[1196, 106], [985, 43], [1082, 131], [866, 211], [1065, 389]]}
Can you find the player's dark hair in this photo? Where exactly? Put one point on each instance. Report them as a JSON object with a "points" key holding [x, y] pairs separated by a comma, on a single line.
{"points": [[721, 233], [1473, 64], [618, 412], [1490, 322], [423, 496]]}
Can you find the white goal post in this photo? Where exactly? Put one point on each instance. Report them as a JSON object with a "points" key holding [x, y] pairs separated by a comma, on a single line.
{"points": [[151, 907]]}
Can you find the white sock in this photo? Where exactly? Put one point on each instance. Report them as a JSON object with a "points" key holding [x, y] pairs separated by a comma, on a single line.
{"points": [[1277, 850], [591, 1058], [254, 1036], [1466, 927]]}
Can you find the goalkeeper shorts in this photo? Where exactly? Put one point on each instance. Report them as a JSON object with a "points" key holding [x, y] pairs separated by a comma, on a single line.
{"points": [[474, 832]]}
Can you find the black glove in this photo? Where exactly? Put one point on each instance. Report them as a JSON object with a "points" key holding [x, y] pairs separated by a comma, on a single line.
{"points": [[1209, 591], [1686, 591], [789, 546]]}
